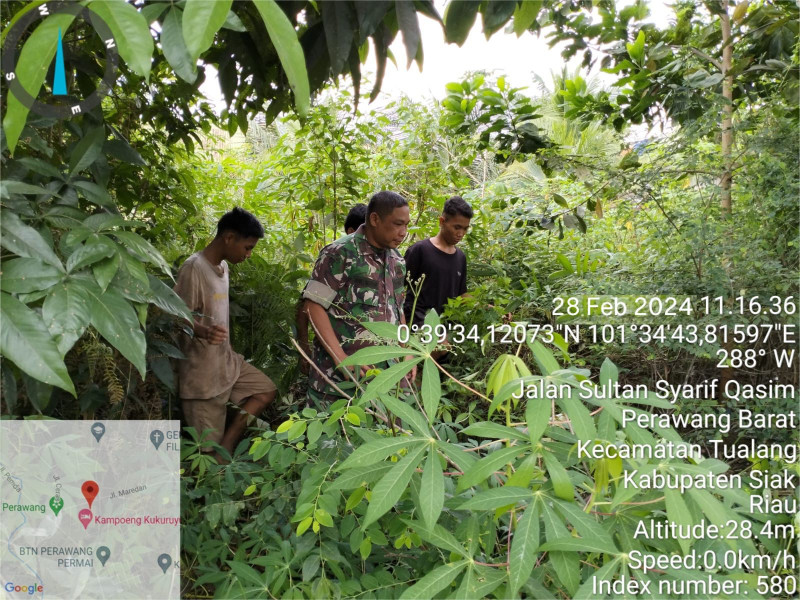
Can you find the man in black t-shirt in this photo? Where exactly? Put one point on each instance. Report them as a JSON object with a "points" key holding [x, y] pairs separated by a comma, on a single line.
{"points": [[444, 265]]}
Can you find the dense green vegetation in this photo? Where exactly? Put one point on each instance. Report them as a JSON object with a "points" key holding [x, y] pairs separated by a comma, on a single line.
{"points": [[679, 180]]}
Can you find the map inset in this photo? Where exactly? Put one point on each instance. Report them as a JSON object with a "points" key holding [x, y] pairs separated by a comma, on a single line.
{"points": [[89, 509]]}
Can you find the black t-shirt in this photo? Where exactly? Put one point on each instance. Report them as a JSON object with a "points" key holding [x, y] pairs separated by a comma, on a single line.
{"points": [[445, 277]]}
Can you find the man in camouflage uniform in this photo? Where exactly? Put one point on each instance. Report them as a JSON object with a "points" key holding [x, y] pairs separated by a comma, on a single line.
{"points": [[360, 277]]}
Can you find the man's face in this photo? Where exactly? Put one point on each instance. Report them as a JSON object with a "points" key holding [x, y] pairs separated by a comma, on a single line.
{"points": [[390, 231], [453, 228], [238, 248]]}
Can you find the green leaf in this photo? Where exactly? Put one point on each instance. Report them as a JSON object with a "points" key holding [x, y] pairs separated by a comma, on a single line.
{"points": [[466, 591], [573, 544], [459, 17], [38, 393], [167, 300], [11, 186], [66, 311], [25, 341], [409, 25], [438, 536], [485, 467], [174, 46], [585, 524], [116, 320], [104, 221], [246, 573], [486, 580], [382, 329], [24, 240], [579, 417], [24, 275], [431, 491], [387, 378], [297, 429], [37, 165], [565, 564], [525, 15], [131, 33], [497, 497], [365, 548], [679, 513], [636, 50], [608, 373], [431, 389], [544, 358], [122, 150], [434, 582], [373, 452], [143, 249], [151, 12], [355, 498], [359, 476], [284, 38], [592, 582], [537, 414], [105, 270], [96, 248], [201, 21], [87, 150], [388, 490], [323, 518], [314, 431], [408, 414], [510, 389], [338, 21], [375, 354], [234, 23], [524, 548], [495, 431], [496, 14], [33, 63], [712, 508], [562, 486], [95, 193]]}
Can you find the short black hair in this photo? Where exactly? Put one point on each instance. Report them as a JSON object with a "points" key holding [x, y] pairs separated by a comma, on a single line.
{"points": [[457, 206], [356, 216], [242, 223], [384, 203]]}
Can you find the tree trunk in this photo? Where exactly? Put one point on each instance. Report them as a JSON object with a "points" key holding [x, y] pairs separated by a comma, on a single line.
{"points": [[727, 112]]}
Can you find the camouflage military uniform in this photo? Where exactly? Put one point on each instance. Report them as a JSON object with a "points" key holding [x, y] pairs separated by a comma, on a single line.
{"points": [[353, 281]]}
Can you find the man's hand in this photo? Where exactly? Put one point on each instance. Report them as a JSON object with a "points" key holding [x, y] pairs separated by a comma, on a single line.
{"points": [[213, 334]]}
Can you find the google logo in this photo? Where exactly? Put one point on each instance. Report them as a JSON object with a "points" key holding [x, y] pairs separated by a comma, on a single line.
{"points": [[28, 589]]}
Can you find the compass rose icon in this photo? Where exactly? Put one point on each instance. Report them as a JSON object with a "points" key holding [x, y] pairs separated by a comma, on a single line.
{"points": [[56, 98]]}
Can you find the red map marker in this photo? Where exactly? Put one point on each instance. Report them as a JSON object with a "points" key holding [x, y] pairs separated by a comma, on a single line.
{"points": [[90, 489]]}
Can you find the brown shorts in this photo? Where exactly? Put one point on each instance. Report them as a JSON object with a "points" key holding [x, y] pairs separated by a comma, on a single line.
{"points": [[210, 413]]}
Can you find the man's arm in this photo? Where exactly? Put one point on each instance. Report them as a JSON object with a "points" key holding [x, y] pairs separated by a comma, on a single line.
{"points": [[327, 280], [324, 330]]}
